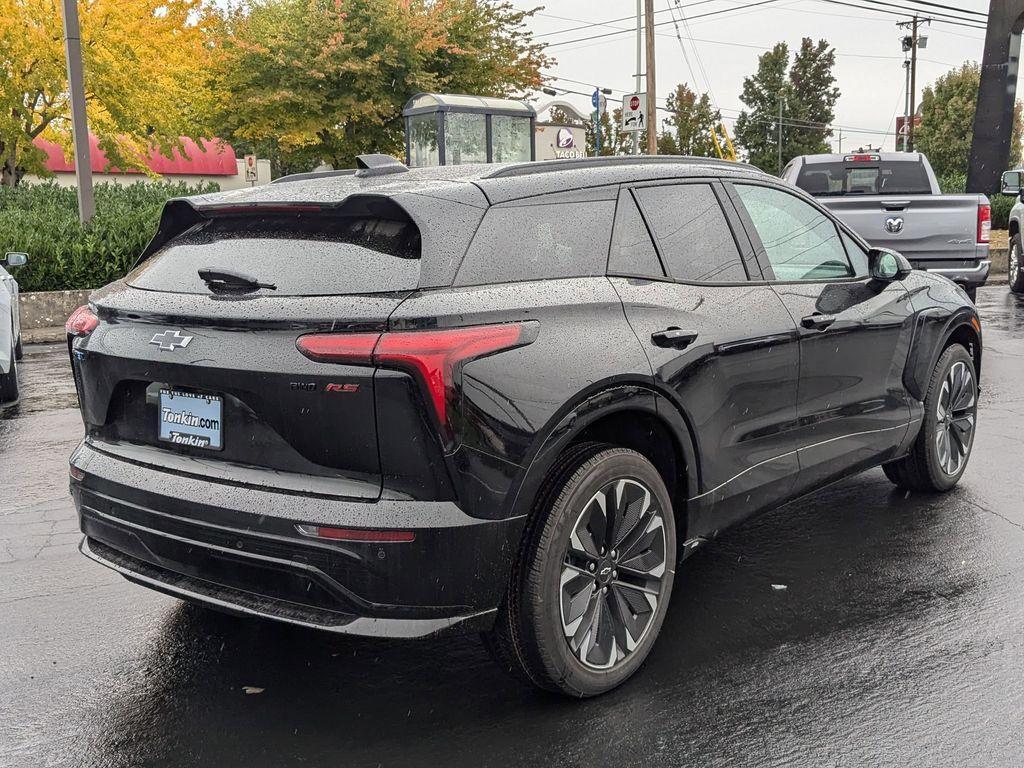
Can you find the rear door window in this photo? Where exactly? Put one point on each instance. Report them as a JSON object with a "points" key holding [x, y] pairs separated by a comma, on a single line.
{"points": [[303, 254], [539, 240], [633, 253], [693, 234]]}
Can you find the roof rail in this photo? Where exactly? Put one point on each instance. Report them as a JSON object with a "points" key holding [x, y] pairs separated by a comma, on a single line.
{"points": [[378, 165], [313, 175], [547, 166]]}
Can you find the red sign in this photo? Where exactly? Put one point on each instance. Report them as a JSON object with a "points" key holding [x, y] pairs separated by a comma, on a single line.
{"points": [[634, 103]]}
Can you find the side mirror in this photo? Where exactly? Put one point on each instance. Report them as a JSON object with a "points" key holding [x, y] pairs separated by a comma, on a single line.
{"points": [[14, 260], [887, 265], [1009, 183]]}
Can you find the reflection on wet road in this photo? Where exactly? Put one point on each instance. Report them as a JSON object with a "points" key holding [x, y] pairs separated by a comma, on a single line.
{"points": [[897, 640]]}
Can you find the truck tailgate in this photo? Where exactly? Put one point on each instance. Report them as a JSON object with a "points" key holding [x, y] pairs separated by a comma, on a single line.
{"points": [[921, 227]]}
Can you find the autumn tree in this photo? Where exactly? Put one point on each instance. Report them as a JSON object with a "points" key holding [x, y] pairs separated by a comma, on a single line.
{"points": [[327, 79], [688, 126], [808, 97], [947, 121], [143, 60]]}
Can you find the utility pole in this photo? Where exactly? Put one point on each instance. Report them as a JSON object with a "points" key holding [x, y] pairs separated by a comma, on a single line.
{"points": [[915, 41], [639, 63], [652, 91], [780, 101], [79, 124], [840, 141], [906, 105]]}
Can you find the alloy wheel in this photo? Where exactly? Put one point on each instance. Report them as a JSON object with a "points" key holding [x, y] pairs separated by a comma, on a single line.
{"points": [[956, 412], [1014, 265], [613, 573]]}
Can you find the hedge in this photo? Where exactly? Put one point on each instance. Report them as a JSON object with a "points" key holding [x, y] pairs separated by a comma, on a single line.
{"points": [[956, 183], [42, 221]]}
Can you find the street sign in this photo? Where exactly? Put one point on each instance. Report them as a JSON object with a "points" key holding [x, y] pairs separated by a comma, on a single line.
{"points": [[634, 112], [250, 168], [599, 102]]}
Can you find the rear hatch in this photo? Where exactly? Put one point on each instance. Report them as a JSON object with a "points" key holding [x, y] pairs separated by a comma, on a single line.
{"points": [[891, 205], [203, 375]]}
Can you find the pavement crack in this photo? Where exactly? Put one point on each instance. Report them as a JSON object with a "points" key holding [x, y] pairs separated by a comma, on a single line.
{"points": [[983, 508]]}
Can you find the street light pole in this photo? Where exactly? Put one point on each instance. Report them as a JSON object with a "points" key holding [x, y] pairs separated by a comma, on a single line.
{"points": [[79, 123]]}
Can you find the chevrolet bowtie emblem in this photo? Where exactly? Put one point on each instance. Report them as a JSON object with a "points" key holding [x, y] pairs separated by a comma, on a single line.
{"points": [[171, 340]]}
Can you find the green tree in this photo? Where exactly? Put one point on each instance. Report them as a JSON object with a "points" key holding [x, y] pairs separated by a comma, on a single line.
{"points": [[808, 96], [812, 102], [327, 79], [947, 121], [689, 123]]}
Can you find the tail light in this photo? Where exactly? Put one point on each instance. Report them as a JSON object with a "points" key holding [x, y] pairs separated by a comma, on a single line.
{"points": [[82, 322], [984, 222], [434, 356]]}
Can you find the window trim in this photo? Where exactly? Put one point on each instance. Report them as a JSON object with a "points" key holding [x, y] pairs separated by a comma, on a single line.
{"points": [[746, 255], [755, 238]]}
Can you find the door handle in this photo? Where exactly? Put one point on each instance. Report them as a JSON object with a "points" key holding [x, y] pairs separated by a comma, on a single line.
{"points": [[817, 322], [674, 338]]}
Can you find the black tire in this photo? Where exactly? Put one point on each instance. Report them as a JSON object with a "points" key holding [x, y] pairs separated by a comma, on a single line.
{"points": [[9, 381], [1015, 270], [19, 350], [927, 467], [972, 293], [531, 637]]}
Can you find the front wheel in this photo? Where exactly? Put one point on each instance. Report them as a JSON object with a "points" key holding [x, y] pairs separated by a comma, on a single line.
{"points": [[590, 590], [9, 381], [1015, 275], [943, 447]]}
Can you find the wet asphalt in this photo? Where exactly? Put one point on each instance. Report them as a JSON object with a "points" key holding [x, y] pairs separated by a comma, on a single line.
{"points": [[897, 641]]}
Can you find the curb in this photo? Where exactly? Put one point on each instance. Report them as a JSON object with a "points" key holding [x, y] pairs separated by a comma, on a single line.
{"points": [[46, 335]]}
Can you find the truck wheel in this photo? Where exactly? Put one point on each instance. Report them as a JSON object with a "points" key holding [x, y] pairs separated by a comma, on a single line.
{"points": [[943, 446], [9, 381], [972, 293], [591, 586], [19, 350], [1015, 275]]}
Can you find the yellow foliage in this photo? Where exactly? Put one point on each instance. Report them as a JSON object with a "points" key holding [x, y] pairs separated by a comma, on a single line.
{"points": [[145, 65]]}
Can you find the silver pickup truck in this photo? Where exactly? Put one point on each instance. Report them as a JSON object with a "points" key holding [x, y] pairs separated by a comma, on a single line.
{"points": [[1013, 184], [893, 201]]}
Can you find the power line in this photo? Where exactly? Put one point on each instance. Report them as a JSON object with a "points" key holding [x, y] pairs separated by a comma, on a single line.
{"points": [[660, 23], [968, 23]]}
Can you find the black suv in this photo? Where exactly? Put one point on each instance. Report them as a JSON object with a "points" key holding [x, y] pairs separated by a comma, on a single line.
{"points": [[506, 399]]}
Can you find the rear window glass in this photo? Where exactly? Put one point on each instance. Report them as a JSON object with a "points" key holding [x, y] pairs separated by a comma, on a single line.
{"points": [[900, 177], [302, 254], [539, 242]]}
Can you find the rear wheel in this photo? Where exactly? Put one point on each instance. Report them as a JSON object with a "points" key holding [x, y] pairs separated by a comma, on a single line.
{"points": [[19, 351], [9, 381], [943, 447], [591, 587], [1015, 275], [972, 293]]}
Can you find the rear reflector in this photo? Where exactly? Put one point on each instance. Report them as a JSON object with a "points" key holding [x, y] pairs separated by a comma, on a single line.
{"points": [[356, 534], [435, 356], [82, 322], [984, 222]]}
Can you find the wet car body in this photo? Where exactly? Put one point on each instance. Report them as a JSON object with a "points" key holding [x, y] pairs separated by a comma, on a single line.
{"points": [[723, 384]]}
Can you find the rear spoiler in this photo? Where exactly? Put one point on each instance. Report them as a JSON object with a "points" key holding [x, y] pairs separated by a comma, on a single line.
{"points": [[181, 214]]}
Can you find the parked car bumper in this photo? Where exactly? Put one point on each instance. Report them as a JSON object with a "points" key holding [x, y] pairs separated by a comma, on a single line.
{"points": [[971, 273], [240, 550]]}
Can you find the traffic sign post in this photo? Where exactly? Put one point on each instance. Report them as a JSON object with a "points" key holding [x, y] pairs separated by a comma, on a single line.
{"points": [[634, 113], [250, 169], [600, 104]]}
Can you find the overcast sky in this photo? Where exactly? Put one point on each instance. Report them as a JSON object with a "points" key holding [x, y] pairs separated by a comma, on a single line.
{"points": [[868, 68]]}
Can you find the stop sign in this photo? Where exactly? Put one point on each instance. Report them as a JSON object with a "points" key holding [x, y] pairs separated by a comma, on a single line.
{"points": [[634, 103]]}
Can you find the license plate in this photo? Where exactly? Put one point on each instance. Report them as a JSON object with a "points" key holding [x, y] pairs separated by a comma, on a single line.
{"points": [[191, 419]]}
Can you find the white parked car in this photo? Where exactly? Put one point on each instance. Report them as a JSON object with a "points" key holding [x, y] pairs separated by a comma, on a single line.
{"points": [[10, 328]]}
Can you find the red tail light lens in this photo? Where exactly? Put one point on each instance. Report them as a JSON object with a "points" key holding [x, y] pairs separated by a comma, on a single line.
{"points": [[984, 222], [435, 356], [82, 322]]}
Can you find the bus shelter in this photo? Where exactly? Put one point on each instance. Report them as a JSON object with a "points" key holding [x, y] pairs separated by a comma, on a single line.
{"points": [[452, 129]]}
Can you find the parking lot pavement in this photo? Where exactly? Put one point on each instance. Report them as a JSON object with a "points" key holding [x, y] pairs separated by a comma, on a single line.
{"points": [[896, 641]]}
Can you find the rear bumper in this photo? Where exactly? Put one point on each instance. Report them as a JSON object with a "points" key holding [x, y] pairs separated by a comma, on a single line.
{"points": [[238, 550], [972, 274]]}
